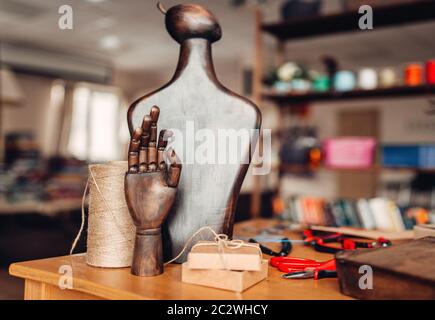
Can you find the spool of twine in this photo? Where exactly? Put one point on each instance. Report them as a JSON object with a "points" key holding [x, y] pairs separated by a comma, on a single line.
{"points": [[110, 228]]}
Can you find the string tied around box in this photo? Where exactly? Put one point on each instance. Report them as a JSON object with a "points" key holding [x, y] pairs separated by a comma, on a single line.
{"points": [[221, 241]]}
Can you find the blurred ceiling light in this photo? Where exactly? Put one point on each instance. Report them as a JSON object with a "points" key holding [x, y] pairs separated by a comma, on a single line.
{"points": [[110, 42], [10, 90]]}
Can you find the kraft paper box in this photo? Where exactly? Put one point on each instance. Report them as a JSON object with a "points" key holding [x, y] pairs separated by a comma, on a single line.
{"points": [[204, 256], [424, 230], [224, 279]]}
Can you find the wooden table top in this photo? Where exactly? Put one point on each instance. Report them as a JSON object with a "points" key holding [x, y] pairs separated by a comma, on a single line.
{"points": [[120, 284]]}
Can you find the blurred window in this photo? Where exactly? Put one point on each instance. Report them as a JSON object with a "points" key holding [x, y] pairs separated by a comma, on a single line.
{"points": [[97, 119]]}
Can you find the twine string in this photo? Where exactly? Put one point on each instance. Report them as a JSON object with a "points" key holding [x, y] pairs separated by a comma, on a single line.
{"points": [[82, 223], [110, 235], [221, 241], [107, 204]]}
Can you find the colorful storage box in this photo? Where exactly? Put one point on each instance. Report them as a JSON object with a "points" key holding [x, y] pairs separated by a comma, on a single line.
{"points": [[349, 152], [414, 156]]}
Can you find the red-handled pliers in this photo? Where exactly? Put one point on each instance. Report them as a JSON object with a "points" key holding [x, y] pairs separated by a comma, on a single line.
{"points": [[298, 268], [320, 242], [290, 264]]}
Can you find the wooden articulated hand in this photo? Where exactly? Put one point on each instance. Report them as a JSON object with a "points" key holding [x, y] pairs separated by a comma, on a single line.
{"points": [[150, 189]]}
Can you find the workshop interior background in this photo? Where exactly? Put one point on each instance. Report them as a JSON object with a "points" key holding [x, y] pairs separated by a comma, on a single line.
{"points": [[65, 93]]}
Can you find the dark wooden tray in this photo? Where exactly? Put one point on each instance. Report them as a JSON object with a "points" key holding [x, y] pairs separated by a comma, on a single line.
{"points": [[405, 271]]}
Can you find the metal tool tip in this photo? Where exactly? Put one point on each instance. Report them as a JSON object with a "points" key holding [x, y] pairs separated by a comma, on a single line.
{"points": [[296, 275]]}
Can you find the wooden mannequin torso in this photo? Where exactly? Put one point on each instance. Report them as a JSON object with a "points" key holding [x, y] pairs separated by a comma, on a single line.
{"points": [[194, 100]]}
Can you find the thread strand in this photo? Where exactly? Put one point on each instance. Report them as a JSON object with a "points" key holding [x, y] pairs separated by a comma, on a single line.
{"points": [[82, 224]]}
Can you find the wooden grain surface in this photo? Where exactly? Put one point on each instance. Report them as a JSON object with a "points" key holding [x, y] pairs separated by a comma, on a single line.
{"points": [[91, 282], [415, 259], [403, 271]]}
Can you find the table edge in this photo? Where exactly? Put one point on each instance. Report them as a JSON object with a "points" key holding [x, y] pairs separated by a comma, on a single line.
{"points": [[27, 273]]}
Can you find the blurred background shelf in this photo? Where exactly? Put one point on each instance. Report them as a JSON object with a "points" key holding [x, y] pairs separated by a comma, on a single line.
{"points": [[366, 113], [392, 15], [300, 169], [42, 207], [387, 93]]}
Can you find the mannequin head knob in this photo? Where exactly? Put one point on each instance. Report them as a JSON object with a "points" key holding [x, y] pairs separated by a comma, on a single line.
{"points": [[187, 21]]}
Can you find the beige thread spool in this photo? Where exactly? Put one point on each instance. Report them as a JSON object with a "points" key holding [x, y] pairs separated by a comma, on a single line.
{"points": [[110, 228]]}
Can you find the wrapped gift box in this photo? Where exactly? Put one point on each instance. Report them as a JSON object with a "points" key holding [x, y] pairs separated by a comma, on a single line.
{"points": [[224, 279], [208, 255]]}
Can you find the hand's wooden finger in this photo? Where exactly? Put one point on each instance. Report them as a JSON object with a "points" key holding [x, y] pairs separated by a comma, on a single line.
{"points": [[143, 160], [153, 135], [154, 114], [174, 171], [152, 158], [133, 151], [163, 142], [152, 145], [145, 138], [146, 128], [164, 136], [135, 140]]}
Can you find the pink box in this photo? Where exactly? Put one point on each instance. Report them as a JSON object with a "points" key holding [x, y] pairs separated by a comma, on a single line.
{"points": [[349, 152]]}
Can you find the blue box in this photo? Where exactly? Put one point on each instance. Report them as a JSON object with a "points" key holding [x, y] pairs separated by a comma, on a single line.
{"points": [[414, 156]]}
